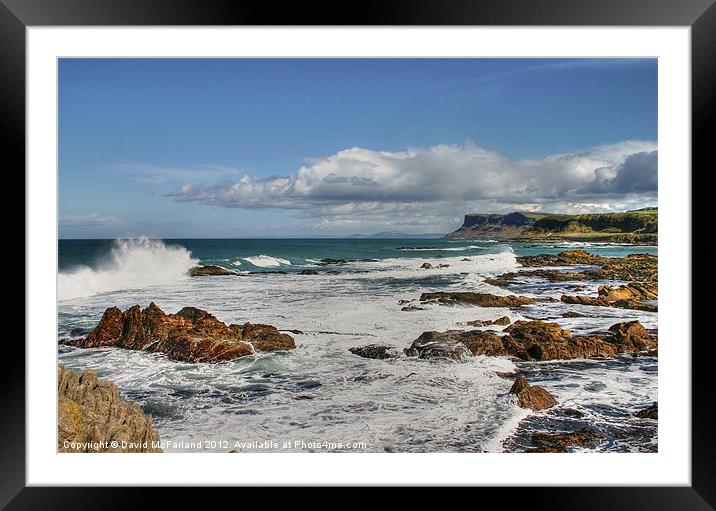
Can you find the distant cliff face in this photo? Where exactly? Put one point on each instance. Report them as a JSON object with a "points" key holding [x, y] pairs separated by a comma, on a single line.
{"points": [[510, 220], [640, 226]]}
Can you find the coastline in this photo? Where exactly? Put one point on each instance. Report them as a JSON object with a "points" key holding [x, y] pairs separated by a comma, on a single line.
{"points": [[515, 426]]}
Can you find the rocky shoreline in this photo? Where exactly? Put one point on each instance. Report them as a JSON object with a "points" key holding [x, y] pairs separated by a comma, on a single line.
{"points": [[91, 417], [196, 336]]}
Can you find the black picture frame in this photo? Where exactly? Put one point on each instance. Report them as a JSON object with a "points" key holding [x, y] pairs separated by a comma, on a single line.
{"points": [[700, 15]]}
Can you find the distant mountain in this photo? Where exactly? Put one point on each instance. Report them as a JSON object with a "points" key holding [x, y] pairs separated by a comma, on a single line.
{"points": [[635, 226], [395, 234]]}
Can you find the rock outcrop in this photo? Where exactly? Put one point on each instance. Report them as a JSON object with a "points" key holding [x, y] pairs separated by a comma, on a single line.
{"points": [[531, 396], [374, 351], [93, 418], [209, 270], [633, 268], [478, 299], [535, 340], [456, 344], [629, 296], [190, 335]]}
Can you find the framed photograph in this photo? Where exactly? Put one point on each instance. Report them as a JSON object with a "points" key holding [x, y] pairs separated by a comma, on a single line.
{"points": [[445, 245]]}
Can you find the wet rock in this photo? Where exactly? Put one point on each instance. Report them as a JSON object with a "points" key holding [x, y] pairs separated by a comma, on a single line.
{"points": [[330, 261], [201, 271], [571, 412], [534, 340], [374, 351], [531, 396], [501, 321], [443, 266], [309, 272], [466, 259], [478, 299], [631, 336], [561, 442], [651, 412], [623, 297], [632, 268], [572, 314], [91, 416], [412, 308], [426, 266], [509, 375], [190, 335], [456, 344]]}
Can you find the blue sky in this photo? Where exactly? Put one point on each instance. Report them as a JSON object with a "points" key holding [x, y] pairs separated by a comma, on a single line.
{"points": [[277, 147]]}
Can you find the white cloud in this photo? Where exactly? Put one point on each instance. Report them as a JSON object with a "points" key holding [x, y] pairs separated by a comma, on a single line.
{"points": [[360, 181], [89, 220]]}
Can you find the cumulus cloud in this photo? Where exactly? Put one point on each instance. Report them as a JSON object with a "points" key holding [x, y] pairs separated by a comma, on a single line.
{"points": [[638, 174], [365, 181]]}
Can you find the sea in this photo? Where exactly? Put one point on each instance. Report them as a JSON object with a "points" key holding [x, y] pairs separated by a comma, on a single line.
{"points": [[320, 397]]}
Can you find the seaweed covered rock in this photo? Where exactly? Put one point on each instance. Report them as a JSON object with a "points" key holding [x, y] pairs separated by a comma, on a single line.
{"points": [[93, 418], [190, 335]]}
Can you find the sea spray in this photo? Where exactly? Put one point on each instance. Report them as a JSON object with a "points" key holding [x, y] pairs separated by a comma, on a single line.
{"points": [[131, 264]]}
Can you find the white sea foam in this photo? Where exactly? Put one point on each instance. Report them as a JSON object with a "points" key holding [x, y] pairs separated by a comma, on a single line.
{"points": [[131, 264], [264, 261], [320, 389]]}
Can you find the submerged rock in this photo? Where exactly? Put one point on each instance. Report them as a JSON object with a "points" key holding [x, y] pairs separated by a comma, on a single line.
{"points": [[531, 396], [91, 416], [201, 271], [630, 296], [190, 335], [651, 412], [479, 299], [308, 272], [374, 351]]}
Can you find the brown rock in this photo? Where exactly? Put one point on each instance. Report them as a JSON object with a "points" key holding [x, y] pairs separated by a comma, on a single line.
{"points": [[190, 335], [479, 299], [426, 266], [309, 272], [91, 416], [632, 337], [501, 321], [201, 271], [374, 351], [456, 344], [532, 396], [560, 442]]}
